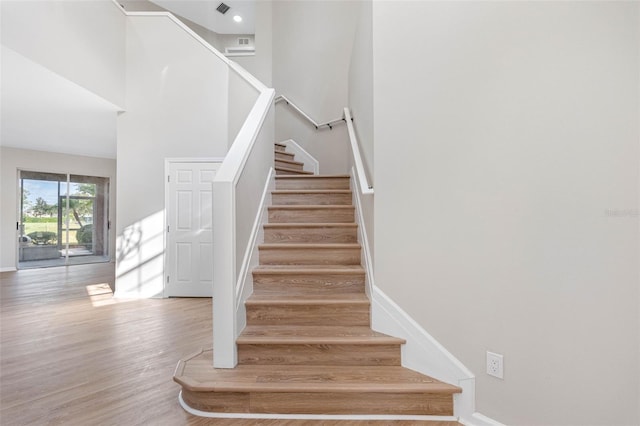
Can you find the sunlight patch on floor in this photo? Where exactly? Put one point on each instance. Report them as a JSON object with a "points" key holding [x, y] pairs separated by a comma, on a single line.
{"points": [[102, 295]]}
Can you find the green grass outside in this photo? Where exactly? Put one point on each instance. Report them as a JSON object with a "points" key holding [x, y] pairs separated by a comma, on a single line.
{"points": [[30, 227]]}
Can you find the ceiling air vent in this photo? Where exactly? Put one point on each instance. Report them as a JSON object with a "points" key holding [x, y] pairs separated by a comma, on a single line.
{"points": [[223, 8]]}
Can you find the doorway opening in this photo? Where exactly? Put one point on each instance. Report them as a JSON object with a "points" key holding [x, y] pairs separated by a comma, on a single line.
{"points": [[63, 219]]}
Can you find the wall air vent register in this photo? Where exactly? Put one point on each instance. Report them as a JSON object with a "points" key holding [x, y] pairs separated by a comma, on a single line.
{"points": [[223, 8]]}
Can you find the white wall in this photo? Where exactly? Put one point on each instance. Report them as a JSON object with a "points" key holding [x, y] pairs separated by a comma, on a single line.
{"points": [[261, 65], [56, 33], [14, 159], [312, 43], [241, 98], [360, 102], [506, 175], [361, 85], [177, 100]]}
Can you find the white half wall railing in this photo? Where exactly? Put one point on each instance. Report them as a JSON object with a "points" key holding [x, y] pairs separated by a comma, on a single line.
{"points": [[237, 189]]}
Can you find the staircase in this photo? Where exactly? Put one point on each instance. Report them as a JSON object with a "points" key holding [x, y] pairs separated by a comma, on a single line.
{"points": [[308, 347]]}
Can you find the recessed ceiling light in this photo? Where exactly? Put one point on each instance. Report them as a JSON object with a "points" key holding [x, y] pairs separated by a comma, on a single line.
{"points": [[237, 18]]}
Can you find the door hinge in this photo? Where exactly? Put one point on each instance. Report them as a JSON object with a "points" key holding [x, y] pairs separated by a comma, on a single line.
{"points": [[167, 279], [168, 178], [17, 226], [167, 228]]}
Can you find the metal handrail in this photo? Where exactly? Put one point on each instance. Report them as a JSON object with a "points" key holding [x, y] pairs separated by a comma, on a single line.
{"points": [[318, 126]]}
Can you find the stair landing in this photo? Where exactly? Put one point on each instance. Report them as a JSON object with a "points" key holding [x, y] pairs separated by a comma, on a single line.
{"points": [[310, 389]]}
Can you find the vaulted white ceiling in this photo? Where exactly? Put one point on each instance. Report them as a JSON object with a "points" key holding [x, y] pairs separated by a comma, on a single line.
{"points": [[203, 12], [46, 112]]}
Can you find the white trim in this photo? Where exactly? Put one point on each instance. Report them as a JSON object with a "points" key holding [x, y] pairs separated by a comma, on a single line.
{"points": [[422, 352], [244, 286], [365, 187], [390, 318], [478, 419], [366, 259], [327, 417], [310, 162], [8, 269], [165, 223], [192, 160]]}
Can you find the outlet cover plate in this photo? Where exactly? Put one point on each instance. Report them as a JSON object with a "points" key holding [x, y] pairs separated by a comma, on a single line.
{"points": [[495, 365]]}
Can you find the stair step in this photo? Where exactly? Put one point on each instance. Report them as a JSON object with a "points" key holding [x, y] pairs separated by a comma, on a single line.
{"points": [[281, 155], [280, 147], [345, 310], [289, 171], [290, 164], [311, 233], [312, 197], [303, 389], [319, 345], [305, 280], [311, 214], [282, 334], [313, 182], [309, 254]]}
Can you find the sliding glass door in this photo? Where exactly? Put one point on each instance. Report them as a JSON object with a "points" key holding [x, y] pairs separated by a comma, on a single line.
{"points": [[63, 219]]}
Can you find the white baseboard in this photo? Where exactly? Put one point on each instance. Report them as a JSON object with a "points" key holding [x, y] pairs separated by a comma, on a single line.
{"points": [[244, 286], [8, 269], [310, 162], [478, 419]]}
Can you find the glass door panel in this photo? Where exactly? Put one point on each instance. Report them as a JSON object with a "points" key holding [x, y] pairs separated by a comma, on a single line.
{"points": [[63, 219]]}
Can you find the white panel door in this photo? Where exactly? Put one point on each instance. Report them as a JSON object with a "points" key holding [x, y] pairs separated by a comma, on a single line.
{"points": [[189, 259]]}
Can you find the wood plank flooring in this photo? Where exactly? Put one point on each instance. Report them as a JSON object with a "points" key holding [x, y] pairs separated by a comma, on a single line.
{"points": [[72, 354]]}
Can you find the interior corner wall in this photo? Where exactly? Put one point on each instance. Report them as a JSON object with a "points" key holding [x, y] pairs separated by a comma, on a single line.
{"points": [[14, 159], [507, 177], [361, 85], [177, 101], [312, 43], [55, 33], [260, 64], [360, 103]]}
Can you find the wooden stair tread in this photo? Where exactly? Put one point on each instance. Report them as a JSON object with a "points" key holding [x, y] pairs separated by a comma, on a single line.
{"points": [[286, 225], [309, 269], [307, 335], [308, 246], [294, 162], [311, 299], [290, 170], [197, 374], [311, 191], [311, 206], [313, 177]]}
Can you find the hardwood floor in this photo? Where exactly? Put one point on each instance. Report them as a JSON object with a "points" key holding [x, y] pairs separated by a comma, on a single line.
{"points": [[72, 354]]}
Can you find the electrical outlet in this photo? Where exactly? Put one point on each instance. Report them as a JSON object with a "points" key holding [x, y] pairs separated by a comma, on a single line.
{"points": [[495, 365]]}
